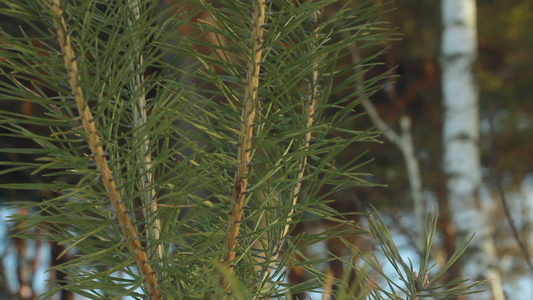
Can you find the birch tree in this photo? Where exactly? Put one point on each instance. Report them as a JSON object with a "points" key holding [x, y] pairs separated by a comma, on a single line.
{"points": [[461, 138]]}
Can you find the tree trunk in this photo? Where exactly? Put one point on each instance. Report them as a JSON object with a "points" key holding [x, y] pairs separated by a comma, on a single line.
{"points": [[460, 139]]}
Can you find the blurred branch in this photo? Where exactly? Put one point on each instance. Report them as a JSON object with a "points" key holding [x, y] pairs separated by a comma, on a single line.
{"points": [[328, 286], [505, 203], [403, 141]]}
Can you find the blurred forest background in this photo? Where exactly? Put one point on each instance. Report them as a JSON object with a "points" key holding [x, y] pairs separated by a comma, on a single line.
{"points": [[504, 72]]}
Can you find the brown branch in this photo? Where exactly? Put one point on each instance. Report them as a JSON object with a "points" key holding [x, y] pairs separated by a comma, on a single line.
{"points": [[245, 144], [93, 140], [328, 285]]}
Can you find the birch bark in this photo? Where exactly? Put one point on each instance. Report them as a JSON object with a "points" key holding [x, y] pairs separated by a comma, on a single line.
{"points": [[460, 141]]}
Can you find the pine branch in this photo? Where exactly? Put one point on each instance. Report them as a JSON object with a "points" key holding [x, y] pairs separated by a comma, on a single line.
{"points": [[311, 107], [245, 143], [99, 156]]}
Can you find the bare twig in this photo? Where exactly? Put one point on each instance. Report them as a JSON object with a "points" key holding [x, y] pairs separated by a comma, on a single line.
{"points": [[404, 142], [93, 139], [505, 203]]}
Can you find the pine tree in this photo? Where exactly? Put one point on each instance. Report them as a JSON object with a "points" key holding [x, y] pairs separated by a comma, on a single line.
{"points": [[180, 143]]}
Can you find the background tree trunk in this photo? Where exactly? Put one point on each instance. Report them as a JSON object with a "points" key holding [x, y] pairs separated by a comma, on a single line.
{"points": [[460, 140]]}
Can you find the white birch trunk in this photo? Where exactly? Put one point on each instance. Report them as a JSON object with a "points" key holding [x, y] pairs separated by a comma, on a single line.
{"points": [[460, 139]]}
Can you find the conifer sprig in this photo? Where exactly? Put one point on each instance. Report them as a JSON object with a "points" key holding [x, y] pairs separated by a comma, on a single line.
{"points": [[245, 141], [235, 116], [310, 113], [95, 144]]}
